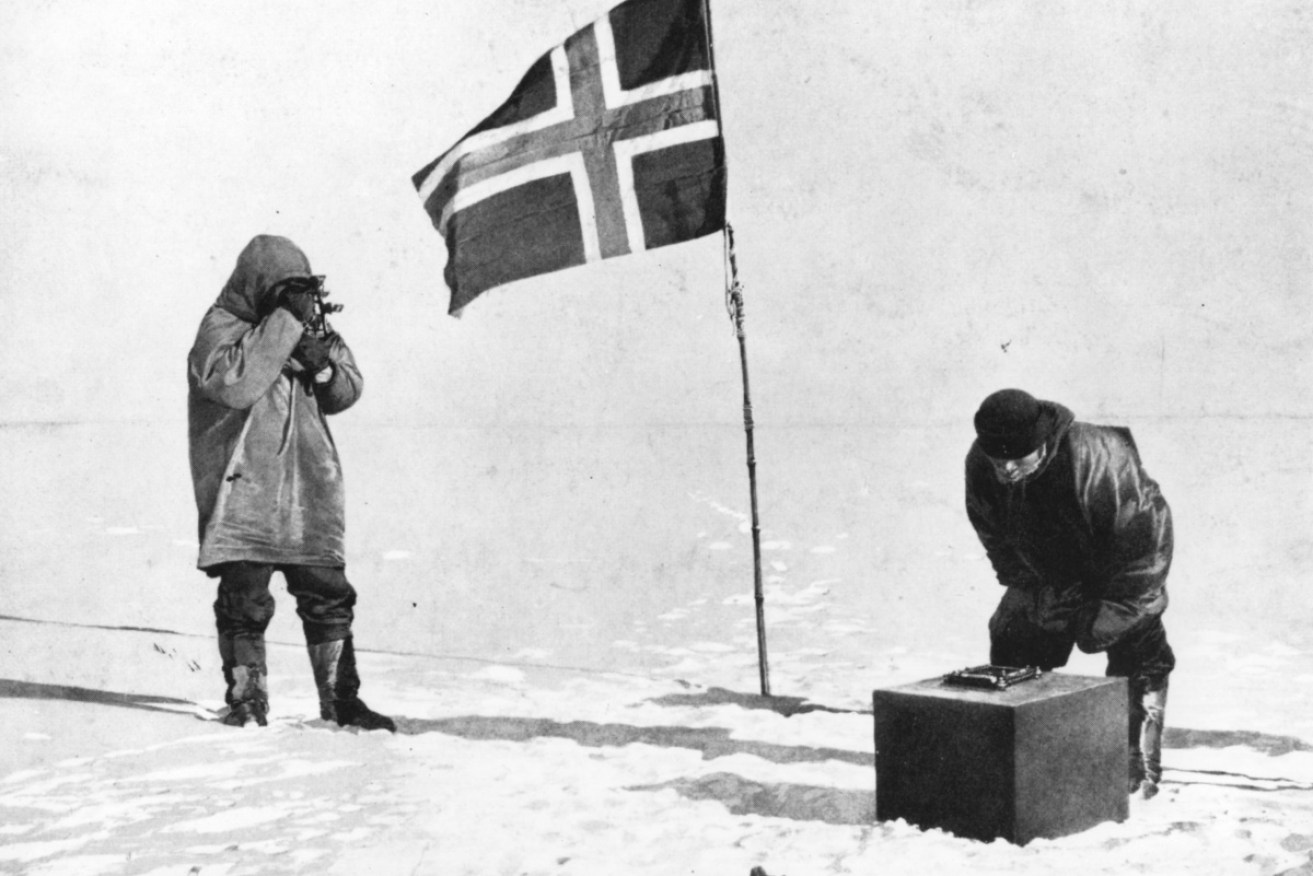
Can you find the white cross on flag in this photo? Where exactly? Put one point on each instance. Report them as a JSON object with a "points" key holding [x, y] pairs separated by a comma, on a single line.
{"points": [[609, 145]]}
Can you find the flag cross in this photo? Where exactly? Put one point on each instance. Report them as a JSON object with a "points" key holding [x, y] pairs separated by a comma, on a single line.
{"points": [[593, 134]]}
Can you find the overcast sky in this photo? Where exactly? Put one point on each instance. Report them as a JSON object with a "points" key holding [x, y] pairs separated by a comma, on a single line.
{"points": [[1105, 203]]}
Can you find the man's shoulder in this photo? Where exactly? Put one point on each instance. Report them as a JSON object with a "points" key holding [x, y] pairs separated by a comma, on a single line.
{"points": [[1096, 442], [217, 320]]}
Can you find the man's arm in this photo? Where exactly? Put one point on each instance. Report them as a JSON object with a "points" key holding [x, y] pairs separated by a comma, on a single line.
{"points": [[233, 363], [1131, 525], [345, 384], [1010, 567]]}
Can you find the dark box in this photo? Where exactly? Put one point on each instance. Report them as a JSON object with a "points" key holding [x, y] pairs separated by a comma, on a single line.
{"points": [[1044, 758]]}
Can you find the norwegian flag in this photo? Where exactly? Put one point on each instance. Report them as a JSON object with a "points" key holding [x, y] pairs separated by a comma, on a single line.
{"points": [[609, 145]]}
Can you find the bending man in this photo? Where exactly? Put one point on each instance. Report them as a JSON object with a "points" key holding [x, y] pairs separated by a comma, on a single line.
{"points": [[1081, 537]]}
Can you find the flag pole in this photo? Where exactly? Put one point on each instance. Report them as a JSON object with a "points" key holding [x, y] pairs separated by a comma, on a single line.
{"points": [[734, 304]]}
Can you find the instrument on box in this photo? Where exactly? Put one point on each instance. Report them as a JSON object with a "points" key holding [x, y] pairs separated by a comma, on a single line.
{"points": [[991, 677]]}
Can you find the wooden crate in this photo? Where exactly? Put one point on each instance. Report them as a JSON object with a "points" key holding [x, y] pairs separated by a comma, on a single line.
{"points": [[1044, 758]]}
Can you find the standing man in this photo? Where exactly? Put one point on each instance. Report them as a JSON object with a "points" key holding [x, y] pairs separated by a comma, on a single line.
{"points": [[267, 477], [1081, 537]]}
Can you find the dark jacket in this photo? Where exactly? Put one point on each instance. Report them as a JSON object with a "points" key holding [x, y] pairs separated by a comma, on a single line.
{"points": [[1090, 529], [265, 470]]}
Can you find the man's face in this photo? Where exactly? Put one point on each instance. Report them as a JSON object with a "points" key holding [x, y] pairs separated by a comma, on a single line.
{"points": [[1014, 471]]}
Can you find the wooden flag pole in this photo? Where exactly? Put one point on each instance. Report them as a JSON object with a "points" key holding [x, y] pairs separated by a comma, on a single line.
{"points": [[734, 303]]}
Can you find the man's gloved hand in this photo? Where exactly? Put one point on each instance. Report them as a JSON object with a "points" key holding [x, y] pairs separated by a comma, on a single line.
{"points": [[1103, 623], [1057, 605], [312, 352], [296, 296], [1051, 608]]}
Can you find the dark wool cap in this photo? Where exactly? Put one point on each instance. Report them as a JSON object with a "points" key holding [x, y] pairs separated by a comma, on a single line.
{"points": [[1011, 424]]}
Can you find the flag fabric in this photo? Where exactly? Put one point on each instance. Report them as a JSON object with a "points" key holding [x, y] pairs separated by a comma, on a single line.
{"points": [[609, 145]]}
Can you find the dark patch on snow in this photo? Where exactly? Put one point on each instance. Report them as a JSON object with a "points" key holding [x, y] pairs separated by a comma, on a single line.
{"points": [[130, 629], [30, 690], [713, 742], [1269, 744], [776, 799], [719, 696]]}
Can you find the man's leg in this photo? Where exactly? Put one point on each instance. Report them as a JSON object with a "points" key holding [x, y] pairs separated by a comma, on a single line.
{"points": [[1154, 704], [1146, 660], [1135, 733], [242, 611], [1148, 707], [325, 602]]}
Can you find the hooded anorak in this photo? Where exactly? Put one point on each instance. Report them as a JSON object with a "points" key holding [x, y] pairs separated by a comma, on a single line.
{"points": [[265, 470], [1083, 544]]}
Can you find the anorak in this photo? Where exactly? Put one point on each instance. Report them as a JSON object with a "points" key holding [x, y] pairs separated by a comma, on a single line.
{"points": [[265, 470], [1086, 542]]}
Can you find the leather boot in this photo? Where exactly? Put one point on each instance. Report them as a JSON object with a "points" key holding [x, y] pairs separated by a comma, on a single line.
{"points": [[246, 689], [227, 660], [334, 666], [1148, 705], [1155, 707], [1136, 777], [248, 697]]}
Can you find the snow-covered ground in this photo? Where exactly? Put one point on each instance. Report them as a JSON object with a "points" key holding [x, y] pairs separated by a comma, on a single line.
{"points": [[504, 769], [575, 680]]}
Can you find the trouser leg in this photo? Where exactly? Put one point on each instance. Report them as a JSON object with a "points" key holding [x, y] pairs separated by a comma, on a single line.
{"points": [[1148, 708], [1134, 736], [325, 602], [243, 609], [1154, 705], [1146, 660]]}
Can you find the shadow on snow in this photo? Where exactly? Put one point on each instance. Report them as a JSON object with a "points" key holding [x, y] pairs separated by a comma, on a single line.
{"points": [[31, 690], [719, 696], [713, 742], [740, 795], [776, 800]]}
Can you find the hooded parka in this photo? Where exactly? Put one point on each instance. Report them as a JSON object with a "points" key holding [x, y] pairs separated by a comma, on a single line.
{"points": [[265, 470], [1085, 543]]}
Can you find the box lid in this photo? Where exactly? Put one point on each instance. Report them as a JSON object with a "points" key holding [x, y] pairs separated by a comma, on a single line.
{"points": [[1046, 686]]}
